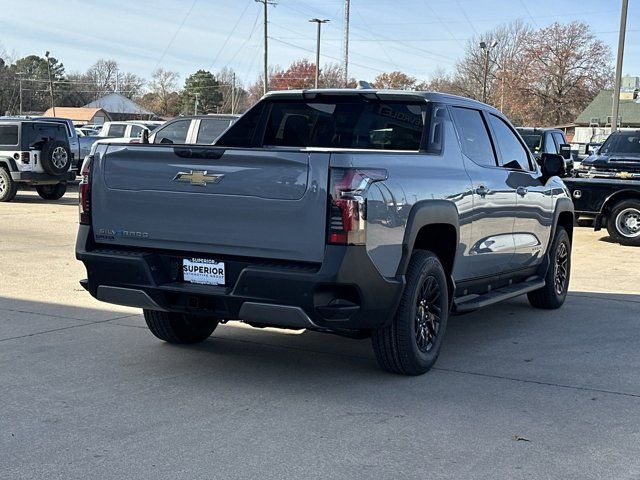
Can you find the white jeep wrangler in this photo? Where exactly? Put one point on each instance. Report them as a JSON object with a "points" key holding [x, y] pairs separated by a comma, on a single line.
{"points": [[34, 153]]}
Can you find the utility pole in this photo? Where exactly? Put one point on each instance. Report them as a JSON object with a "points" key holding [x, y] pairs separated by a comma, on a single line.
{"points": [[233, 93], [345, 59], [319, 22], [616, 90], [487, 51], [195, 106], [20, 74], [266, 4], [53, 106]]}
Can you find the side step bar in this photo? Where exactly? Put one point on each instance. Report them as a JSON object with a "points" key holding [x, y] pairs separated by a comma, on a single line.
{"points": [[469, 303]]}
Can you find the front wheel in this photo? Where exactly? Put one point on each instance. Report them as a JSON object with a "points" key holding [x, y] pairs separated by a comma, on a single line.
{"points": [[411, 344], [179, 328], [52, 192], [554, 293], [623, 223]]}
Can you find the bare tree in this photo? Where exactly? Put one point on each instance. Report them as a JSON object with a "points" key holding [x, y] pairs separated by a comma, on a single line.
{"points": [[163, 86], [567, 67], [395, 80]]}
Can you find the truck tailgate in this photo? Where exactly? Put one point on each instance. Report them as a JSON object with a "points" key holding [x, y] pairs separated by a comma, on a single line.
{"points": [[247, 202]]}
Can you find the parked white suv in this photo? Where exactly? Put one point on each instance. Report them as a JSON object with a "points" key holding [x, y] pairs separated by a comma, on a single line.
{"points": [[34, 153]]}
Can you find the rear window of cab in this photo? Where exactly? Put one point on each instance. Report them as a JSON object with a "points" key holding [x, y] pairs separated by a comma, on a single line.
{"points": [[346, 123]]}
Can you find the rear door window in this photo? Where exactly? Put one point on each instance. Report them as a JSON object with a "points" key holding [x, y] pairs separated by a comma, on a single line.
{"points": [[9, 135], [117, 130], [136, 130], [210, 129], [512, 153], [175, 132], [474, 137]]}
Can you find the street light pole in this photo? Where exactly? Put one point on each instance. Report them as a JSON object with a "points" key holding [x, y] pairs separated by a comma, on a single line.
{"points": [[616, 90], [195, 105], [319, 22], [487, 50], [53, 106]]}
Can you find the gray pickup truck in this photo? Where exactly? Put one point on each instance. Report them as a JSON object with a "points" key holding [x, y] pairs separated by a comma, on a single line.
{"points": [[355, 212]]}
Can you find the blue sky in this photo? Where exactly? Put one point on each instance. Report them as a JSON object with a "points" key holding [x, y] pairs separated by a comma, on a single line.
{"points": [[415, 36]]}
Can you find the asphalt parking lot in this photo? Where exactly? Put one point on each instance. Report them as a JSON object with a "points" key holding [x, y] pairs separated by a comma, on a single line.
{"points": [[87, 392]]}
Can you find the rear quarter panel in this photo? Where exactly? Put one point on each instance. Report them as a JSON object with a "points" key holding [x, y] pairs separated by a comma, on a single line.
{"points": [[413, 177]]}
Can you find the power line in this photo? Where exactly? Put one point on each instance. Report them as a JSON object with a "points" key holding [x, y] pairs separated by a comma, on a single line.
{"points": [[233, 30], [193, 4]]}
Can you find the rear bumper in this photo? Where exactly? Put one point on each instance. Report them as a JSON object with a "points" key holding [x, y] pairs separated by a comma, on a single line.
{"points": [[344, 293], [42, 178]]}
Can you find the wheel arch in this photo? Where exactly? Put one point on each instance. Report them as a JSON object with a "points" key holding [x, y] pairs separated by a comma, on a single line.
{"points": [[432, 225], [8, 164], [617, 197]]}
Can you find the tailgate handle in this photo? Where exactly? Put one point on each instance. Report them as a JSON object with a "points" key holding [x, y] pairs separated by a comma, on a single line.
{"points": [[199, 152]]}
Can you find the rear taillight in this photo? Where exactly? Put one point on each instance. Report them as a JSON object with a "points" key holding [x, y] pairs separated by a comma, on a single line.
{"points": [[85, 191], [25, 157], [347, 206]]}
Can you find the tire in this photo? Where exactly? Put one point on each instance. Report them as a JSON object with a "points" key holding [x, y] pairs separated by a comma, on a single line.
{"points": [[554, 293], [52, 192], [8, 188], [407, 346], [179, 328], [623, 222], [55, 157]]}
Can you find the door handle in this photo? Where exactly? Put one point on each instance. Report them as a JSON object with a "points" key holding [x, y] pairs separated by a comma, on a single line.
{"points": [[482, 191], [521, 191]]}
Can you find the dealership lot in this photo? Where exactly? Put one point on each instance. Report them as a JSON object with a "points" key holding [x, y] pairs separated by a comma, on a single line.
{"points": [[517, 392]]}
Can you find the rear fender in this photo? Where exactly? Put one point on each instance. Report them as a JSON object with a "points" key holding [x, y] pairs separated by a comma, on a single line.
{"points": [[439, 214], [8, 163]]}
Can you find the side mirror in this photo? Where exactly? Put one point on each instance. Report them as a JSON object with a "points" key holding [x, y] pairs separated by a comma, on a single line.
{"points": [[552, 165], [144, 136], [565, 150]]}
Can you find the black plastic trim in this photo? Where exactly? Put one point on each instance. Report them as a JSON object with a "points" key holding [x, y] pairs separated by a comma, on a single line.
{"points": [[42, 177], [345, 268], [422, 214]]}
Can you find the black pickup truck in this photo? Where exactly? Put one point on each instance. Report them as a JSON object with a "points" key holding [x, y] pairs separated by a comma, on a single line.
{"points": [[606, 188], [547, 140]]}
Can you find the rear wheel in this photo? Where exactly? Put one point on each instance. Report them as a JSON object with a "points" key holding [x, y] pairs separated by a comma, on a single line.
{"points": [[8, 188], [411, 344], [623, 223], [52, 192], [179, 328], [554, 293]]}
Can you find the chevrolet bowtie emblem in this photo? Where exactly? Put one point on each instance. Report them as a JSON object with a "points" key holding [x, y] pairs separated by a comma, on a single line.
{"points": [[197, 177]]}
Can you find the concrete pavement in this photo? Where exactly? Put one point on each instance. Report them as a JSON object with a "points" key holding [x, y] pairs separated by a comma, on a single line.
{"points": [[87, 392]]}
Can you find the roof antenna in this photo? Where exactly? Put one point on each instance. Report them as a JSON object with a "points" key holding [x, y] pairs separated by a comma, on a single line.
{"points": [[363, 85]]}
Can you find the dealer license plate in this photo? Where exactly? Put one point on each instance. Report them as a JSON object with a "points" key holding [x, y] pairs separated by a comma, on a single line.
{"points": [[203, 271]]}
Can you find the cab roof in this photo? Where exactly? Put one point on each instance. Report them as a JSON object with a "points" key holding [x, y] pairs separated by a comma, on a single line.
{"points": [[446, 98]]}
